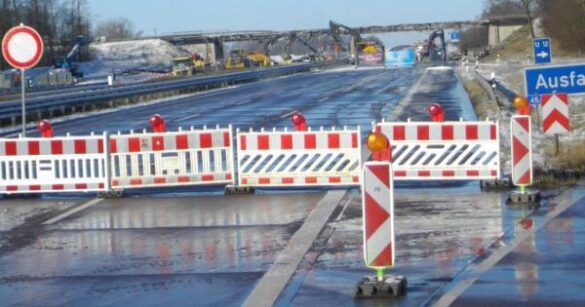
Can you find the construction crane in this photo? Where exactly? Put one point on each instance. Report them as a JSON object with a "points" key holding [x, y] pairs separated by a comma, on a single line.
{"points": [[68, 62], [441, 53]]}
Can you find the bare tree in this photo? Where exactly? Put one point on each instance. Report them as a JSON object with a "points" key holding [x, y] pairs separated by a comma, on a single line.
{"points": [[564, 22], [116, 29], [528, 5]]}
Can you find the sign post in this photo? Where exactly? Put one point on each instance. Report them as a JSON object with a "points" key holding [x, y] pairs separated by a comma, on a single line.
{"points": [[542, 51], [22, 48]]}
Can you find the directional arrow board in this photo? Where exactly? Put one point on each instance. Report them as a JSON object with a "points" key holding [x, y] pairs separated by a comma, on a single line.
{"points": [[555, 114], [542, 52]]}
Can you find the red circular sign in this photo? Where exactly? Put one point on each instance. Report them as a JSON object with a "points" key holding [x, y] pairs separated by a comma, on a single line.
{"points": [[22, 47]]}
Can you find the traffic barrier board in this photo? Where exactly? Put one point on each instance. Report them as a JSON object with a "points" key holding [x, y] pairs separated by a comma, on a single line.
{"points": [[195, 157], [555, 114], [443, 150], [299, 158], [22, 47], [521, 150], [378, 213], [64, 164]]}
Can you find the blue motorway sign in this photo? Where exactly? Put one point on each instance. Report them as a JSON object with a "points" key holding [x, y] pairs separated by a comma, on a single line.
{"points": [[400, 58], [542, 52], [568, 79], [455, 36], [534, 100]]}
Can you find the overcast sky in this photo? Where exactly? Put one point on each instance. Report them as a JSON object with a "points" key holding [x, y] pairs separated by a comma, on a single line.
{"points": [[164, 16]]}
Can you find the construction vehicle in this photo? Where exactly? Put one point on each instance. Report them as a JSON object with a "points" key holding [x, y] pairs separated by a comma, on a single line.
{"points": [[238, 60], [69, 62], [188, 66], [429, 49], [367, 51]]}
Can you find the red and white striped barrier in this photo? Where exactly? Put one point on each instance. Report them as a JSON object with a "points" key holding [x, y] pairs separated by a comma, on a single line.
{"points": [[61, 164], [521, 132], [378, 212], [443, 150], [299, 158], [555, 114], [194, 157]]}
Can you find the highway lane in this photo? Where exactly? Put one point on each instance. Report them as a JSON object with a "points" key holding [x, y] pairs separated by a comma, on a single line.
{"points": [[346, 97]]}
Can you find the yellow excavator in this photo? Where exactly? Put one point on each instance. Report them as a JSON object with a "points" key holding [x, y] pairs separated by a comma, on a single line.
{"points": [[188, 66], [237, 60]]}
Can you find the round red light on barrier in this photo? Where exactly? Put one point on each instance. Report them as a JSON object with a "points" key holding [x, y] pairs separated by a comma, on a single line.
{"points": [[45, 128], [157, 123], [299, 121], [437, 113]]}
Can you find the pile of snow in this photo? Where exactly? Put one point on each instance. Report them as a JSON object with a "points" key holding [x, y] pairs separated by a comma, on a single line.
{"points": [[149, 54]]}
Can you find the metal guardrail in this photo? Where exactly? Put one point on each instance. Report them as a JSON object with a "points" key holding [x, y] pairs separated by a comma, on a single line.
{"points": [[10, 111]]}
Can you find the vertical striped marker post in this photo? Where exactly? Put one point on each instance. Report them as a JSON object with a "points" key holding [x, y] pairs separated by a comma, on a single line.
{"points": [[522, 173], [378, 225]]}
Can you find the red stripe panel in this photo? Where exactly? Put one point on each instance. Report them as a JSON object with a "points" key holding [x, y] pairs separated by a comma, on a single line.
{"points": [[56, 147], [264, 181], [354, 140], [182, 142], [158, 143], [134, 144], [288, 180], [311, 180], [334, 179], [243, 142], [101, 185], [384, 259], [422, 132], [525, 179], [12, 188], [382, 172], [58, 187], [494, 173], [135, 181], [399, 173], [81, 186], [471, 132], [33, 148], [113, 146], [160, 180], [100, 144], [355, 179], [424, 173], [228, 176], [376, 215], [310, 141], [333, 140], [263, 142], [10, 148], [448, 173], [34, 187], [115, 182], [205, 140], [207, 178], [473, 173], [226, 139], [378, 129], [286, 141], [244, 181], [183, 179], [447, 132], [493, 132], [80, 146], [399, 133]]}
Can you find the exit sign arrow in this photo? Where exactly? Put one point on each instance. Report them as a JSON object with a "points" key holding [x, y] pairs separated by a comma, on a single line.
{"points": [[542, 54]]}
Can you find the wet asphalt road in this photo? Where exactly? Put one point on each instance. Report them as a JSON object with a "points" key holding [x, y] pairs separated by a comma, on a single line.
{"points": [[194, 249]]}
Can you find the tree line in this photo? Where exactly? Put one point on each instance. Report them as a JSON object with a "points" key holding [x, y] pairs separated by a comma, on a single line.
{"points": [[561, 20], [60, 22]]}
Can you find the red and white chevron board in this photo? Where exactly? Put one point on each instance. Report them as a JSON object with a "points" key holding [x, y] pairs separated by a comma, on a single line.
{"points": [[182, 140], [299, 140], [378, 213], [555, 114], [521, 132]]}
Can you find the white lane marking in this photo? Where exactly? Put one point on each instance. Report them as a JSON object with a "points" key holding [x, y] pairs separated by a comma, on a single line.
{"points": [[72, 211], [243, 102], [268, 289], [475, 270], [324, 99], [288, 114], [343, 210], [188, 117]]}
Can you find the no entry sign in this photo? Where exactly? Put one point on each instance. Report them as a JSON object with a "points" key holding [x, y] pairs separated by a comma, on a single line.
{"points": [[22, 47]]}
